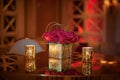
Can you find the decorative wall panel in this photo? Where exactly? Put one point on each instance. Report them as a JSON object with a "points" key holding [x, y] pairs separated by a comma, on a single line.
{"points": [[89, 20], [12, 21], [7, 22]]}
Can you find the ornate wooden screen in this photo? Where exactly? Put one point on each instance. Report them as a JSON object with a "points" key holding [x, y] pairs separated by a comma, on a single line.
{"points": [[10, 11], [8, 21], [89, 18]]}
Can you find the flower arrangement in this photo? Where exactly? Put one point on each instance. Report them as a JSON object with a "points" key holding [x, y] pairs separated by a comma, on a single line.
{"points": [[60, 36], [60, 49]]}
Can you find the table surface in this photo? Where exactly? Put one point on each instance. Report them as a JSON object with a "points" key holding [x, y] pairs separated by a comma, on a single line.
{"points": [[41, 76], [33, 76], [106, 72]]}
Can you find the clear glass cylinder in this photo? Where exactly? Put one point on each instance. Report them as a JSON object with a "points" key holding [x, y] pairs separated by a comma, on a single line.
{"points": [[87, 54], [30, 58], [87, 60]]}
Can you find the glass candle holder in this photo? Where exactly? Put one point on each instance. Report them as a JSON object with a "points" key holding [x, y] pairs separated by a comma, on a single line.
{"points": [[87, 60], [30, 58], [87, 54]]}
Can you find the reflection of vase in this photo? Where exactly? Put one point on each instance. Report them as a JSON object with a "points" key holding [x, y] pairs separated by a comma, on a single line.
{"points": [[59, 56], [87, 60], [30, 58]]}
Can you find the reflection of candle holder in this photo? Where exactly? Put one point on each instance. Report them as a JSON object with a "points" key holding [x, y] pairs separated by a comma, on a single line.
{"points": [[30, 58], [87, 60], [87, 68]]}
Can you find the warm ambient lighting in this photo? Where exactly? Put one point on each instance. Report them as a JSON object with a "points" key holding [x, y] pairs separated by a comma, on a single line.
{"points": [[107, 62], [115, 2], [106, 2], [111, 62], [103, 62], [112, 2]]}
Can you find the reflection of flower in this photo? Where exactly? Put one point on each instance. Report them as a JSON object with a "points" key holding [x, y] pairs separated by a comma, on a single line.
{"points": [[60, 36], [66, 72]]}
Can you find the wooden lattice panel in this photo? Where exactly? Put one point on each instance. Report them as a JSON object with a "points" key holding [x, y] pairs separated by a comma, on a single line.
{"points": [[8, 62], [8, 21], [78, 19], [89, 19]]}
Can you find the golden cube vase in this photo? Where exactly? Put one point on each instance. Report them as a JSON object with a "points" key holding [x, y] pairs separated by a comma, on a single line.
{"points": [[59, 56]]}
